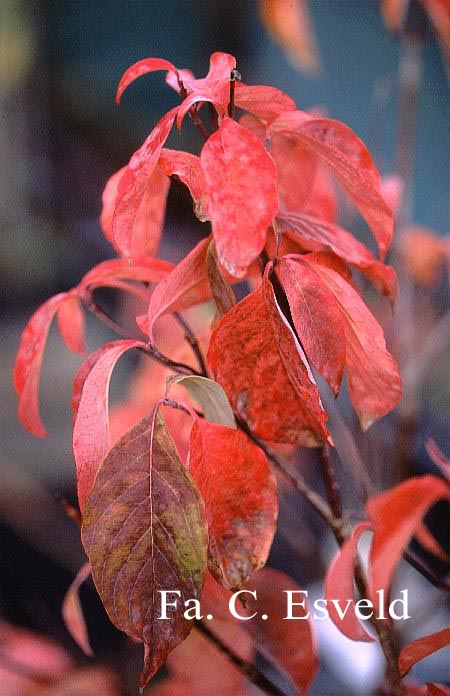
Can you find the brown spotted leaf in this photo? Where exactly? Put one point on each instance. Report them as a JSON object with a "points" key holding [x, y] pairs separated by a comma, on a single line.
{"points": [[144, 530]]}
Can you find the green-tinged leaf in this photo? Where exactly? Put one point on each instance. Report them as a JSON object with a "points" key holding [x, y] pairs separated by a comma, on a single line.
{"points": [[210, 396], [144, 530]]}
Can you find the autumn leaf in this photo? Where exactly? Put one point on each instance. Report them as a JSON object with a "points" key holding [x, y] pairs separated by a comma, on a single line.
{"points": [[185, 286], [373, 379], [422, 647], [142, 67], [133, 184], [395, 516], [264, 372], [214, 88], [339, 587], [315, 234], [27, 368], [317, 318], [438, 458], [296, 172], [221, 291], [347, 158], [239, 492], [264, 102], [144, 530], [187, 168], [112, 273], [70, 320], [290, 645], [91, 440], [241, 183], [73, 613]]}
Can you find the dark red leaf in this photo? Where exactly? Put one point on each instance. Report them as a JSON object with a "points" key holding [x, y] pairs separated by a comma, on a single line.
{"points": [[395, 516], [142, 67], [242, 189], [144, 531], [239, 492], [288, 643], [134, 182], [422, 647], [91, 440], [349, 161], [265, 373], [317, 318], [339, 587], [73, 613]]}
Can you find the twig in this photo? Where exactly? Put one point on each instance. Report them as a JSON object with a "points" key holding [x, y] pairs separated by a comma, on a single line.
{"points": [[192, 339], [149, 350], [331, 484], [235, 75], [421, 568], [251, 671]]}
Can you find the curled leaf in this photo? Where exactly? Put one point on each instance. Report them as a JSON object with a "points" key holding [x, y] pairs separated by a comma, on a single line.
{"points": [[422, 647], [73, 613], [210, 396]]}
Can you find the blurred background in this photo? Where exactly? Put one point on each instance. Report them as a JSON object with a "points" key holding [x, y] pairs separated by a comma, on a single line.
{"points": [[61, 137]]}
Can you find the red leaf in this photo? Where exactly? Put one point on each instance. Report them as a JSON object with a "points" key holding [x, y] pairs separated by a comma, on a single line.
{"points": [[70, 319], [239, 492], [339, 586], [28, 364], [429, 543], [242, 189], [297, 168], [214, 88], [438, 457], [318, 235], [395, 516], [185, 286], [289, 644], [91, 440], [265, 102], [317, 318], [434, 690], [145, 269], [144, 530], [142, 67], [187, 168], [422, 647], [349, 161], [264, 372], [73, 613], [133, 185], [373, 379]]}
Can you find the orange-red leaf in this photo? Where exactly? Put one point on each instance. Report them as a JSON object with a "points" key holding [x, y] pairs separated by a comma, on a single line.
{"points": [[239, 492], [317, 318], [343, 153], [288, 643], [73, 613], [264, 372], [339, 586], [242, 190], [145, 269], [422, 647], [315, 234], [373, 378], [142, 67], [395, 516], [70, 319], [133, 185], [91, 440], [144, 531]]}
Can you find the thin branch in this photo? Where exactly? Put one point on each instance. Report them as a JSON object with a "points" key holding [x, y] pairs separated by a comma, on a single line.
{"points": [[427, 573], [331, 484], [252, 673], [150, 350], [235, 75], [192, 339]]}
